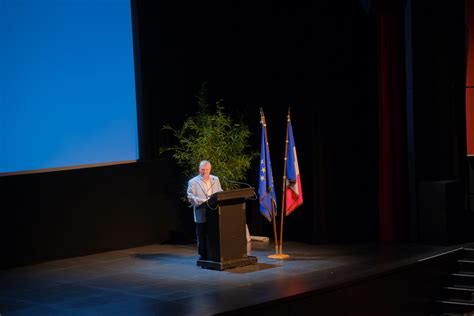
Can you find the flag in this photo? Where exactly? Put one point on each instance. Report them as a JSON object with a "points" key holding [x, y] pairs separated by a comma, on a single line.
{"points": [[293, 192], [266, 190]]}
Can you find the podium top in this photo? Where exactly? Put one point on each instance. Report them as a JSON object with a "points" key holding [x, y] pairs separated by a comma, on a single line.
{"points": [[237, 195]]}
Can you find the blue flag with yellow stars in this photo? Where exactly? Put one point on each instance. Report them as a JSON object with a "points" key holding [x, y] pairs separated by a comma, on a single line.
{"points": [[266, 190]]}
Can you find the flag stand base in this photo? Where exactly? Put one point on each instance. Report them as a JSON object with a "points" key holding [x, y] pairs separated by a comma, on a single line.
{"points": [[279, 256]]}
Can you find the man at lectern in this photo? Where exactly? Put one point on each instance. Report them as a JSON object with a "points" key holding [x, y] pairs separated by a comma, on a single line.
{"points": [[200, 189]]}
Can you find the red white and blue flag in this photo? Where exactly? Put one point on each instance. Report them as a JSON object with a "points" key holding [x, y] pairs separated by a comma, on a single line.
{"points": [[293, 191]]}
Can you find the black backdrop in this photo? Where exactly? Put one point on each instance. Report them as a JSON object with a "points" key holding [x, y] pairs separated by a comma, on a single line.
{"points": [[319, 57]]}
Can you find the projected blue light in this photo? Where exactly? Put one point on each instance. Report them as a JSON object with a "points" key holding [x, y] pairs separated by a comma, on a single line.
{"points": [[67, 89]]}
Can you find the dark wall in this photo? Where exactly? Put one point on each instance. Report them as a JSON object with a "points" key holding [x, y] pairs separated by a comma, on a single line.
{"points": [[439, 133], [317, 57], [77, 212], [439, 68]]}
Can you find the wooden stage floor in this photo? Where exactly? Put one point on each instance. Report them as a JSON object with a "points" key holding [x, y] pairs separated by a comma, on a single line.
{"points": [[164, 279]]}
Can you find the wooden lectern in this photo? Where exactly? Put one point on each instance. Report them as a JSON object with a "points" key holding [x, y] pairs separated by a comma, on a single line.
{"points": [[226, 237]]}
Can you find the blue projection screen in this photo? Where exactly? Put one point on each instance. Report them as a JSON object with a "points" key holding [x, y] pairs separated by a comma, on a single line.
{"points": [[67, 84]]}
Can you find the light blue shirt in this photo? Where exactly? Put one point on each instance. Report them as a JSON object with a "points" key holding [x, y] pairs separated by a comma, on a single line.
{"points": [[199, 192]]}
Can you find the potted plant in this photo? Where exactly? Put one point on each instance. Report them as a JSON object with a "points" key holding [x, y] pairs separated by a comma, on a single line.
{"points": [[213, 136]]}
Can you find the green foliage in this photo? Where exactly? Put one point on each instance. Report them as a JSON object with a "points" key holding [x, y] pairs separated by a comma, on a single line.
{"points": [[214, 137]]}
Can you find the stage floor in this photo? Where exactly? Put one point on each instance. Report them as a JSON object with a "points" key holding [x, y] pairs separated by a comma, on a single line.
{"points": [[164, 279]]}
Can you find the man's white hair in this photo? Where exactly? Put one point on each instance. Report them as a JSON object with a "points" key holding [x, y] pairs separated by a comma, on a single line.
{"points": [[204, 162]]}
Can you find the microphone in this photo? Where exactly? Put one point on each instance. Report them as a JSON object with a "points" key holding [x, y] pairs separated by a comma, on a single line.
{"points": [[237, 182], [246, 184]]}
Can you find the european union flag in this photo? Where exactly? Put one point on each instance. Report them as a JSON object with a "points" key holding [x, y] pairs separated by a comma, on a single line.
{"points": [[266, 190]]}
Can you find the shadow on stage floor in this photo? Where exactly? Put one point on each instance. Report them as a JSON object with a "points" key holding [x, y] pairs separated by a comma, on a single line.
{"points": [[164, 279]]}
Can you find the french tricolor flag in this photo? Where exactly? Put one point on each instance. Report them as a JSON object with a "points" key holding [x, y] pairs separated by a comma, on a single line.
{"points": [[293, 191]]}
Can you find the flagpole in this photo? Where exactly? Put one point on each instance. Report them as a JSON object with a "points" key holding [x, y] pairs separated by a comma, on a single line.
{"points": [[283, 256], [262, 116], [274, 231]]}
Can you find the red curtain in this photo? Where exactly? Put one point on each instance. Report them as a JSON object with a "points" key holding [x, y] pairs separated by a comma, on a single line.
{"points": [[391, 72], [470, 76]]}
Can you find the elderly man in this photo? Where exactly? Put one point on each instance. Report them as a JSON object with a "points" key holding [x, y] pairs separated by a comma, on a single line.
{"points": [[200, 188]]}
